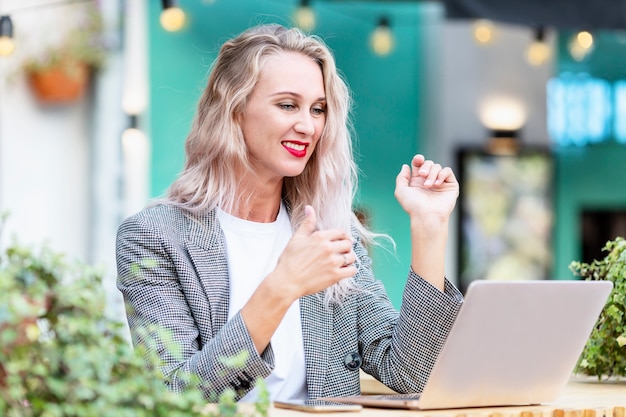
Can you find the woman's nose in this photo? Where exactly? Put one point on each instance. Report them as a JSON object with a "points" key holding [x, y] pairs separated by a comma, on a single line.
{"points": [[305, 124]]}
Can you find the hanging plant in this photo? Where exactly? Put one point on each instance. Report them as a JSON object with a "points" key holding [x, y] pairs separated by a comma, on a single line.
{"points": [[605, 352], [61, 73], [64, 83]]}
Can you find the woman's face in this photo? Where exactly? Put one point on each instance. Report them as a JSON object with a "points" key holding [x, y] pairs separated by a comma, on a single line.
{"points": [[284, 116]]}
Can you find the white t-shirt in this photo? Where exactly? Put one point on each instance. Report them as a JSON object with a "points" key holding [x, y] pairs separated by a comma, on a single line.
{"points": [[252, 252]]}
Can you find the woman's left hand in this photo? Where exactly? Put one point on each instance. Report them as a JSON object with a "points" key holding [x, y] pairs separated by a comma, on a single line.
{"points": [[426, 190]]}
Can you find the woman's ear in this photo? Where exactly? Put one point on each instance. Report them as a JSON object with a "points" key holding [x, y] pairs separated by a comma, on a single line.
{"points": [[239, 114]]}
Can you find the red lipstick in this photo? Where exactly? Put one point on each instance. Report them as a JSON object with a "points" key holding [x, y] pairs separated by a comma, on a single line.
{"points": [[297, 149]]}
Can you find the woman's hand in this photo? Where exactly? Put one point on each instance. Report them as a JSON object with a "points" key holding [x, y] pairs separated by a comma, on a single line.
{"points": [[314, 259], [428, 193], [426, 189]]}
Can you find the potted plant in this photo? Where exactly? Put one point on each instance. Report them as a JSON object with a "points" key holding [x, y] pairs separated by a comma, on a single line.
{"points": [[61, 355], [61, 73], [604, 355]]}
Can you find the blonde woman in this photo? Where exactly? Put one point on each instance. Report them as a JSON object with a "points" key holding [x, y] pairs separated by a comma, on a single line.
{"points": [[255, 247]]}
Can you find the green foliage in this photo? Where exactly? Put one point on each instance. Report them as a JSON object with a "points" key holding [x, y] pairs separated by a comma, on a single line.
{"points": [[61, 355], [83, 43], [605, 352]]}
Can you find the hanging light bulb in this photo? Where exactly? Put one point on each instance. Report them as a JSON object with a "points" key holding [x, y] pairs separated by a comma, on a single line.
{"points": [[581, 45], [483, 31], [538, 52], [7, 45], [585, 39], [304, 16], [382, 38], [136, 167], [172, 17]]}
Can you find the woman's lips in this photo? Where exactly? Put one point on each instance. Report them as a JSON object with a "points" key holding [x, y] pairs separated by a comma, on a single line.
{"points": [[297, 149]]}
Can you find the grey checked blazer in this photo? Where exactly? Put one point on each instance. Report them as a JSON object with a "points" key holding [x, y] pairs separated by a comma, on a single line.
{"points": [[184, 288]]}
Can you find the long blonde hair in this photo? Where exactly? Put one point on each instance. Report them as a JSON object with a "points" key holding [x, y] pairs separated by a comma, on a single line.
{"points": [[216, 151]]}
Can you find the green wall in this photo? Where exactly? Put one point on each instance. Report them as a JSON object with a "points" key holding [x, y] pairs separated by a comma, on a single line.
{"points": [[605, 61], [387, 93], [593, 176]]}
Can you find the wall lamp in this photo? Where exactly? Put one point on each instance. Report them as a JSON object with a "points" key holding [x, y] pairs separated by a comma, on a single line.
{"points": [[7, 45], [172, 17], [503, 117]]}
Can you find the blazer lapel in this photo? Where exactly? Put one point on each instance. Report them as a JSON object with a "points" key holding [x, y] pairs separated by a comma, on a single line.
{"points": [[207, 252], [317, 327]]}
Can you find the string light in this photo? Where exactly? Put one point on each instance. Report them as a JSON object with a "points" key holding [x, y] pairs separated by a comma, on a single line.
{"points": [[483, 31], [304, 17], [382, 41], [172, 17], [7, 45], [581, 45], [136, 166], [538, 52], [585, 39]]}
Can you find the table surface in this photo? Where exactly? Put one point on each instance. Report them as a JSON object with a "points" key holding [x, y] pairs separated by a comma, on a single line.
{"points": [[583, 397]]}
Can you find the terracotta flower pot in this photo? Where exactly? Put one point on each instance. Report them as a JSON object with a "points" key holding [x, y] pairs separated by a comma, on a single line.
{"points": [[63, 84]]}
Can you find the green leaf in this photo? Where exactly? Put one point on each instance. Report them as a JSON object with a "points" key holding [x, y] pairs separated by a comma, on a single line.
{"points": [[60, 352], [604, 354], [237, 361]]}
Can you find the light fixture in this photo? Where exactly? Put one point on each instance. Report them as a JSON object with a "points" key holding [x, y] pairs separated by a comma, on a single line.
{"points": [[484, 31], [585, 39], [503, 116], [382, 38], [304, 17], [581, 45], [7, 45], [136, 167], [539, 51], [130, 132], [172, 17]]}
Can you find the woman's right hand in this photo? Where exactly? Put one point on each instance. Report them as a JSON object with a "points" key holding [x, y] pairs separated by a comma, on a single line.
{"points": [[313, 259]]}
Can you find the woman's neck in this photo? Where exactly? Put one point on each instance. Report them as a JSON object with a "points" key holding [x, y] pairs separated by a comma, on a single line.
{"points": [[263, 204], [263, 212]]}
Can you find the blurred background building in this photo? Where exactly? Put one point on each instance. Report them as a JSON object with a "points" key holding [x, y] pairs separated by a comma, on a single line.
{"points": [[526, 102]]}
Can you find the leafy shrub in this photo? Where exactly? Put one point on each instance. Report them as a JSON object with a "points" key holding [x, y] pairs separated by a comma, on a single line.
{"points": [[60, 355], [605, 352]]}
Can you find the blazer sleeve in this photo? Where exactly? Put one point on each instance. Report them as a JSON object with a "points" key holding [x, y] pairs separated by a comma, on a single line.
{"points": [[161, 290], [400, 348]]}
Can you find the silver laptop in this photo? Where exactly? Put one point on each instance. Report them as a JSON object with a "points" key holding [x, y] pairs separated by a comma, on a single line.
{"points": [[513, 343]]}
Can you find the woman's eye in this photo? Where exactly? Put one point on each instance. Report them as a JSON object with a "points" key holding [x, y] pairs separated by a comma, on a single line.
{"points": [[286, 106], [318, 110]]}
